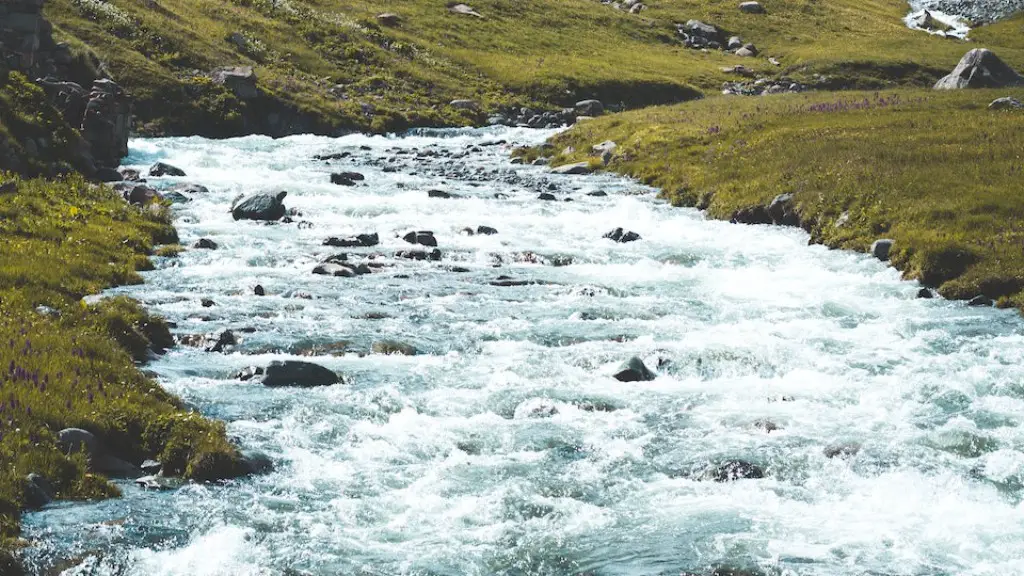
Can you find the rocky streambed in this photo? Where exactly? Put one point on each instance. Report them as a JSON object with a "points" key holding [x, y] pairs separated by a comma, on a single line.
{"points": [[520, 372]]}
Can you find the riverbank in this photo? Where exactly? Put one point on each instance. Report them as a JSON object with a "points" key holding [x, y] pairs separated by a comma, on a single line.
{"points": [[936, 172], [221, 68], [68, 365]]}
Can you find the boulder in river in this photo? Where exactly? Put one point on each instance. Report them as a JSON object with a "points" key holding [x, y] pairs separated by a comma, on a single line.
{"points": [[346, 178], [634, 370], [75, 440], [572, 169], [925, 293], [267, 207], [205, 244], [421, 237], [341, 269], [136, 193], [434, 254], [486, 230], [981, 300], [621, 236], [357, 241], [841, 450], [162, 169], [980, 68], [38, 491], [298, 374], [734, 470], [441, 194], [782, 211]]}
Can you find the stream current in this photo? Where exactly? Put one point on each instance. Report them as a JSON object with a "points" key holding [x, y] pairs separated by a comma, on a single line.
{"points": [[506, 447]]}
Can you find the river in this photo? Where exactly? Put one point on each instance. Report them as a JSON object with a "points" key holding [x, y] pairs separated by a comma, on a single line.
{"points": [[506, 447]]}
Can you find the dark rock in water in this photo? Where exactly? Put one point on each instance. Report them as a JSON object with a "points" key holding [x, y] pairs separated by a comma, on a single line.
{"points": [[880, 249], [298, 374], [597, 193], [733, 571], [735, 470], [334, 156], [246, 374], [191, 189], [766, 425], [843, 450], [782, 212], [129, 174], [925, 293], [980, 68], [754, 215], [205, 244], [575, 169], [358, 241], [222, 341], [546, 196], [506, 282], [108, 175], [392, 347], [441, 194], [621, 236], [634, 370], [342, 270], [486, 230], [177, 198], [207, 303], [162, 169], [421, 237], [240, 80], [980, 300], [342, 180], [434, 254], [257, 462], [38, 491], [267, 207]]}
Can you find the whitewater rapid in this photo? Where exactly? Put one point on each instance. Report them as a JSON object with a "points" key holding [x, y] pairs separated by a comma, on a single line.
{"points": [[506, 447]]}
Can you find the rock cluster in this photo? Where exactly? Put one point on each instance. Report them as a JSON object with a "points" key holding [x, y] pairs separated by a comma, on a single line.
{"points": [[102, 114]]}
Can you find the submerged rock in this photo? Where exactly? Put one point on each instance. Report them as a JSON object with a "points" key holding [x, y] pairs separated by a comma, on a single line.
{"points": [[621, 236], [393, 347], [421, 237], [734, 470], [841, 450], [298, 374], [357, 241], [634, 370], [266, 207]]}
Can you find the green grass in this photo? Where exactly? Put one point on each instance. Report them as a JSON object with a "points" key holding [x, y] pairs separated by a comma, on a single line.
{"points": [[61, 239], [529, 52], [936, 171]]}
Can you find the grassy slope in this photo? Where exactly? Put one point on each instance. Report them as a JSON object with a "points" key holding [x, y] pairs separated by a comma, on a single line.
{"points": [[936, 171], [547, 53], [60, 240]]}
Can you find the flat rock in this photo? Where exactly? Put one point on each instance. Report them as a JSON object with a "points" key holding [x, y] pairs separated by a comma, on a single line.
{"points": [[572, 169], [357, 241], [1006, 103], [393, 347], [752, 8], [464, 10]]}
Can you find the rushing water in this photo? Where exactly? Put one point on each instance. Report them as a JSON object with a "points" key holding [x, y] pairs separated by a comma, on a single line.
{"points": [[506, 447]]}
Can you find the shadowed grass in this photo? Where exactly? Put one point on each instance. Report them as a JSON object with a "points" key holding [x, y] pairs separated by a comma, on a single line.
{"points": [[936, 171], [333, 65]]}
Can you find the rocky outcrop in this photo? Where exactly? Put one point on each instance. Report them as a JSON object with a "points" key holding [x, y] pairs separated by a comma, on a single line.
{"points": [[980, 68], [101, 113]]}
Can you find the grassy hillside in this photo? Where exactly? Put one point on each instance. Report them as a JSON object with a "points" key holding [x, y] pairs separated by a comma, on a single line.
{"points": [[334, 66], [938, 172], [73, 365]]}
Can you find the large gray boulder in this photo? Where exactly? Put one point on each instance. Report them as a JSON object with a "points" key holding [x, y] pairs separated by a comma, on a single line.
{"points": [[589, 108], [260, 207], [572, 169], [980, 68], [298, 374]]}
